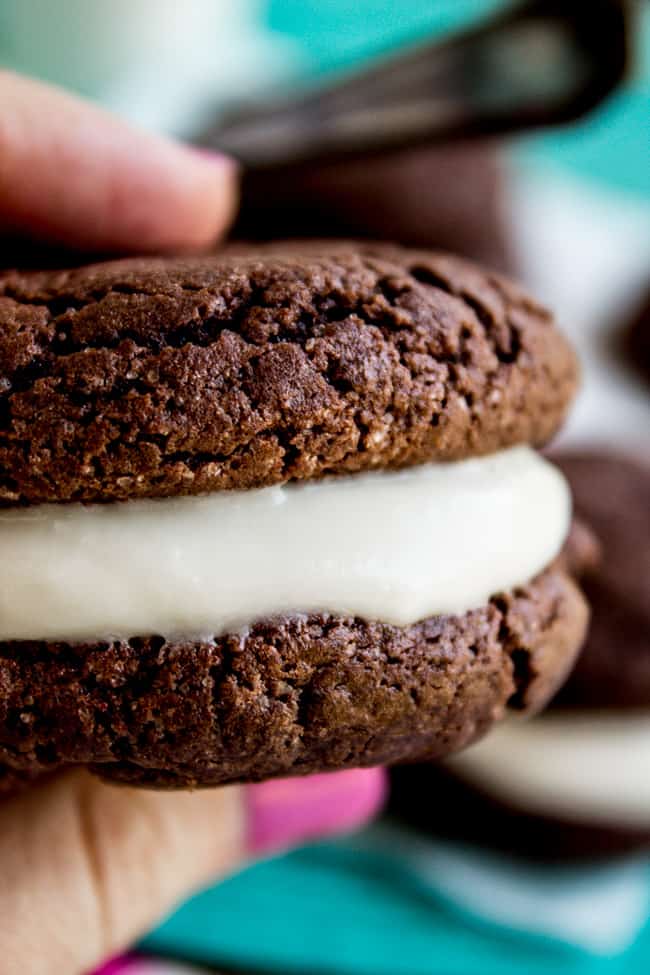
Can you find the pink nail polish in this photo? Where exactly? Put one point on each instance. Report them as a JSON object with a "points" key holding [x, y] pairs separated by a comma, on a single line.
{"points": [[141, 965], [123, 965], [286, 812]]}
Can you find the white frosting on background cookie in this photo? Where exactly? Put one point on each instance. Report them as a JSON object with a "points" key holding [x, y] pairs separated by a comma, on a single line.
{"points": [[587, 767], [393, 546]]}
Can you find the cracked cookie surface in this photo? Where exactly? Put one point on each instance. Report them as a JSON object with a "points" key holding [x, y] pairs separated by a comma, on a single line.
{"points": [[153, 378]]}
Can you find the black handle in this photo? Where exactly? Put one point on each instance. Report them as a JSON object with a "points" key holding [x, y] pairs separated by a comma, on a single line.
{"points": [[542, 63]]}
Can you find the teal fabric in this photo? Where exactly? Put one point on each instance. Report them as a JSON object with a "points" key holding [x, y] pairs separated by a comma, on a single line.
{"points": [[342, 908], [612, 146]]}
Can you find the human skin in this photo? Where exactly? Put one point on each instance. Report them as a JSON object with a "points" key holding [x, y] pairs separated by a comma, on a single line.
{"points": [[86, 867]]}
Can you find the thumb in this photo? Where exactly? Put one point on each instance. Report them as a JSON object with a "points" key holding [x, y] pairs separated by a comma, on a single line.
{"points": [[89, 866]]}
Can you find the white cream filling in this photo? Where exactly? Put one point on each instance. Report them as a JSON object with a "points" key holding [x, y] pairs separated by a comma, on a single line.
{"points": [[391, 546], [580, 767]]}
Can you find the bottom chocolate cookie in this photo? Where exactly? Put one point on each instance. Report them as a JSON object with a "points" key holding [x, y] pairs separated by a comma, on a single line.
{"points": [[290, 696]]}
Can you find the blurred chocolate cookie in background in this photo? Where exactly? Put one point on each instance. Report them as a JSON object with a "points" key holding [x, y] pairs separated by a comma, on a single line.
{"points": [[612, 494], [573, 783], [636, 338], [451, 197]]}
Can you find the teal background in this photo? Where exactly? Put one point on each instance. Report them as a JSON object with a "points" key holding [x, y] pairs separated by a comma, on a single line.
{"points": [[330, 909], [612, 147]]}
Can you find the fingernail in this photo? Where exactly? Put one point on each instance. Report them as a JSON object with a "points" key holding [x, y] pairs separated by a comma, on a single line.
{"points": [[286, 812]]}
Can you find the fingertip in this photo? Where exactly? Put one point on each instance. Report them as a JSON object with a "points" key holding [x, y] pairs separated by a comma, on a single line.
{"points": [[154, 195], [208, 188], [286, 812]]}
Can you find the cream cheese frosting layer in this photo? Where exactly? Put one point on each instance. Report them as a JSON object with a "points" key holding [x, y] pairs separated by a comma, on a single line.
{"points": [[392, 546], [586, 768]]}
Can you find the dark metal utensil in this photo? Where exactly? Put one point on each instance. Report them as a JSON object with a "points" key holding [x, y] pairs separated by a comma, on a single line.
{"points": [[540, 63]]}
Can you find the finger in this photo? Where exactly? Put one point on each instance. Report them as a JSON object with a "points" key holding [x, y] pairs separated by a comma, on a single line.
{"points": [[88, 867], [73, 174]]}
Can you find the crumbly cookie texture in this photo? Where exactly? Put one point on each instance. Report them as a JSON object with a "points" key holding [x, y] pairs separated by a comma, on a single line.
{"points": [[291, 696], [152, 378]]}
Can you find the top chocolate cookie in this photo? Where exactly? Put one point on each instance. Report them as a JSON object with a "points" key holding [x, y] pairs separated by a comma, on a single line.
{"points": [[159, 377]]}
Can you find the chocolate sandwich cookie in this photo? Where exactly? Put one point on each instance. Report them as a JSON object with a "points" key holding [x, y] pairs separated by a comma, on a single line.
{"points": [[574, 781], [276, 511]]}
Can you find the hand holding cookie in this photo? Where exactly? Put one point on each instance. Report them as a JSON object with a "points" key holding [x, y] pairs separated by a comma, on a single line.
{"points": [[87, 866]]}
